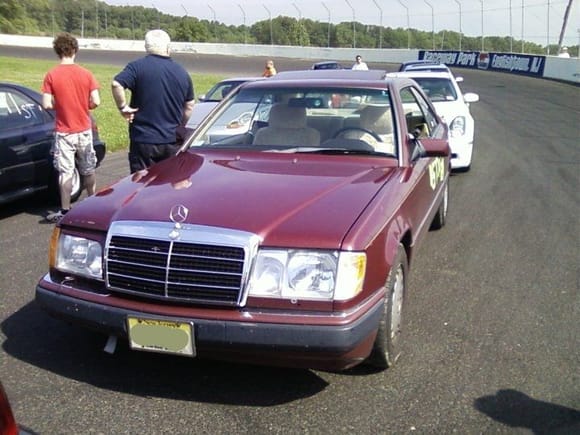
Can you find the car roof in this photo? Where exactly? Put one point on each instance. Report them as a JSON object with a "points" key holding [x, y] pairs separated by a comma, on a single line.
{"points": [[411, 64], [420, 62], [14, 85], [24, 89], [327, 62], [423, 74], [240, 79], [330, 74], [332, 78]]}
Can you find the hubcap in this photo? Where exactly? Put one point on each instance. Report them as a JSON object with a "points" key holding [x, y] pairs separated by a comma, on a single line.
{"points": [[76, 182], [397, 305], [445, 199]]}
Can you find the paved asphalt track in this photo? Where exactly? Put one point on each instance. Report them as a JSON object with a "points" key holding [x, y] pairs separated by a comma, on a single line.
{"points": [[493, 311]]}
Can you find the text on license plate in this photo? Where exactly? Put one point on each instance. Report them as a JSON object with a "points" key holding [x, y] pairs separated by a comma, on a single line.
{"points": [[162, 336]]}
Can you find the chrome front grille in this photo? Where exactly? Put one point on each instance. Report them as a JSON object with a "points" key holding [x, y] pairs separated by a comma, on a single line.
{"points": [[201, 265]]}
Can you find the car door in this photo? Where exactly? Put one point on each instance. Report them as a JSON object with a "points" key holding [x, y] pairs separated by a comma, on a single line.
{"points": [[26, 138], [426, 175]]}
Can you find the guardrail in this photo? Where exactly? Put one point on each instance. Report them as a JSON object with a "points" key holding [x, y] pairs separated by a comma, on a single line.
{"points": [[550, 67]]}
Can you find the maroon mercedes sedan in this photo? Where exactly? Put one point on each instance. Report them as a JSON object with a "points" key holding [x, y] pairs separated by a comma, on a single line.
{"points": [[287, 240]]}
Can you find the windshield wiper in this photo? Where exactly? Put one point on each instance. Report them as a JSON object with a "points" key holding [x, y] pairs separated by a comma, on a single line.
{"points": [[339, 151]]}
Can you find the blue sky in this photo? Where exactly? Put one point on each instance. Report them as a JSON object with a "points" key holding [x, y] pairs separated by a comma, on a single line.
{"points": [[542, 19]]}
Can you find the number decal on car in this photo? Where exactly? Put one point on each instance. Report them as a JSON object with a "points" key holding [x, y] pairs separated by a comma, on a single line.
{"points": [[436, 171]]}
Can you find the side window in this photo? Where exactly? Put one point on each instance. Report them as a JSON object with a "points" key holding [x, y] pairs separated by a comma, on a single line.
{"points": [[18, 111], [421, 120], [430, 117]]}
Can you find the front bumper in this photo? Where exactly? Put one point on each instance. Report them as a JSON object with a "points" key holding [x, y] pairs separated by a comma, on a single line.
{"points": [[296, 344], [461, 152]]}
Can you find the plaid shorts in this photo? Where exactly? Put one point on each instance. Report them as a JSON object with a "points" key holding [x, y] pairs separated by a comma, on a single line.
{"points": [[72, 149]]}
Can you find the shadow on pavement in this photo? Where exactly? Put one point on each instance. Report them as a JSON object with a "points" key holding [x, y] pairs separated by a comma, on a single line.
{"points": [[34, 337], [518, 410]]}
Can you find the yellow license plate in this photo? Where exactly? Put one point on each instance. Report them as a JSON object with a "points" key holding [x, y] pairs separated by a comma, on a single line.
{"points": [[161, 336]]}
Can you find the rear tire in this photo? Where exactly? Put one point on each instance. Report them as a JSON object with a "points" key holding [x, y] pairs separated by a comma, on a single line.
{"points": [[387, 348]]}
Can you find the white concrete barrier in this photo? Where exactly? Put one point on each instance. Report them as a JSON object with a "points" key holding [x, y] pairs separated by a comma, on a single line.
{"points": [[555, 67]]}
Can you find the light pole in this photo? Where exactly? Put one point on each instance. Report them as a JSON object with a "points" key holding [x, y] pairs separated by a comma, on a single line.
{"points": [[381, 20], [460, 30], [353, 24], [271, 33], [212, 11], [548, 30], [244, 15], [432, 22], [327, 10], [96, 19], [299, 12], [482, 37], [564, 24], [132, 24], [158, 19], [300, 42], [523, 47], [511, 34], [53, 22], [408, 25], [184, 10]]}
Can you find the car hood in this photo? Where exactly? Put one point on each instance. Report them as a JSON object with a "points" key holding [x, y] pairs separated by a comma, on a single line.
{"points": [[274, 195], [200, 111], [451, 109]]}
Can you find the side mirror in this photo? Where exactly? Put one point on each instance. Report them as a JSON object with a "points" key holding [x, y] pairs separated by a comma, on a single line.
{"points": [[418, 150], [459, 79], [428, 148], [470, 97]]}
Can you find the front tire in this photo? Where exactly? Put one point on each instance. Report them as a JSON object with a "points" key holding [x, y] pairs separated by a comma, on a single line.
{"points": [[441, 217], [77, 187], [387, 348]]}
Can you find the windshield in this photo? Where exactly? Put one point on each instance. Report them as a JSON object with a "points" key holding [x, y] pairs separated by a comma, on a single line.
{"points": [[313, 119], [437, 89], [219, 91]]}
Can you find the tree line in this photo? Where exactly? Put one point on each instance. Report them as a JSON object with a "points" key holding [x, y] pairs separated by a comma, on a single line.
{"points": [[94, 19]]}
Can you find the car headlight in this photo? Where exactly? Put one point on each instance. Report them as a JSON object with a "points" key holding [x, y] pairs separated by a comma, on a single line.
{"points": [[457, 127], [305, 274], [77, 255], [241, 121]]}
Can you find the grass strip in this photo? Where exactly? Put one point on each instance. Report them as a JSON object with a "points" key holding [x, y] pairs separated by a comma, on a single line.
{"points": [[112, 127]]}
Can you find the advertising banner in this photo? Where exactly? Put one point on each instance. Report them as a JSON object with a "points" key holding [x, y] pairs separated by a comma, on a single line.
{"points": [[525, 64]]}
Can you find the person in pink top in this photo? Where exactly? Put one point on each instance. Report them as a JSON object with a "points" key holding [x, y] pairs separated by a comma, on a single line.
{"points": [[72, 91]]}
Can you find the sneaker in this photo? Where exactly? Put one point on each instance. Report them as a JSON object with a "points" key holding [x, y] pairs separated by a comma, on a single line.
{"points": [[55, 217]]}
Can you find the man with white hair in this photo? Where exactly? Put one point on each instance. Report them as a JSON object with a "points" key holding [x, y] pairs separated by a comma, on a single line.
{"points": [[564, 52], [162, 99]]}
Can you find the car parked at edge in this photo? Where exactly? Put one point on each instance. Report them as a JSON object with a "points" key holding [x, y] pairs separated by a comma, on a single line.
{"points": [[327, 64], [423, 65], [208, 101], [26, 139], [289, 243], [453, 106]]}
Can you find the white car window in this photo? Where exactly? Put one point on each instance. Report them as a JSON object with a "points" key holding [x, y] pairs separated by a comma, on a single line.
{"points": [[437, 89]]}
